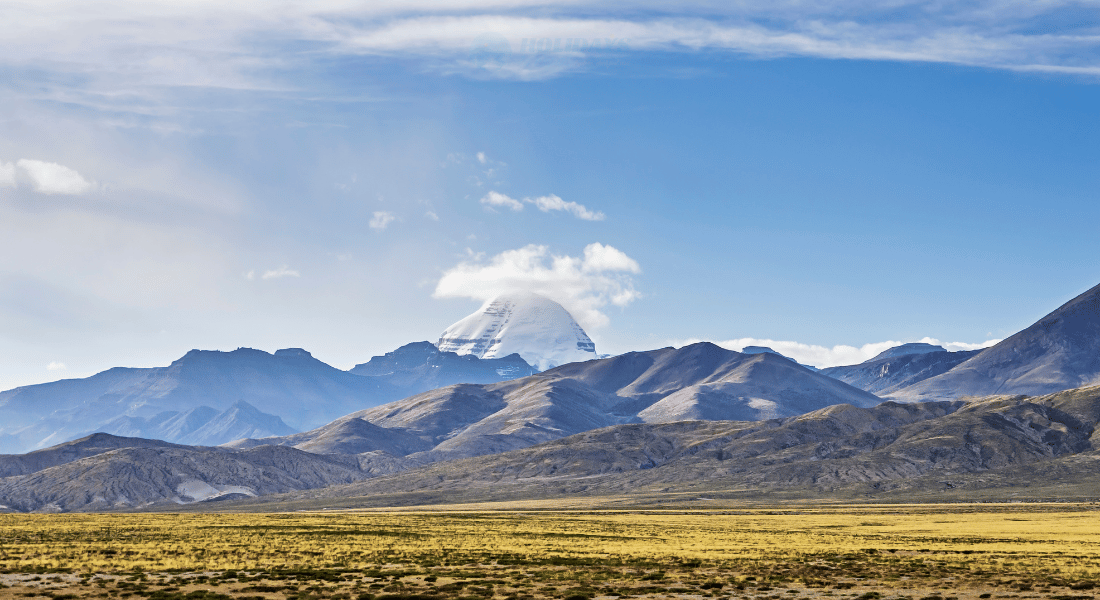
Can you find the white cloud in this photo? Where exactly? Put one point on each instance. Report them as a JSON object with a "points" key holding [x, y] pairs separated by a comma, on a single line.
{"points": [[7, 174], [822, 356], [52, 178], [145, 48], [500, 200], [283, 271], [56, 366], [584, 285], [481, 157], [546, 203], [986, 33], [381, 220], [431, 215], [553, 202]]}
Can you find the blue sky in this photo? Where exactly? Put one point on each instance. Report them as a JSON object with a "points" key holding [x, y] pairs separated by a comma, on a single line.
{"points": [[830, 177]]}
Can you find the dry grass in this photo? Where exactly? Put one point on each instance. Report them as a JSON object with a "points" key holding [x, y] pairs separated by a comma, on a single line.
{"points": [[914, 552]]}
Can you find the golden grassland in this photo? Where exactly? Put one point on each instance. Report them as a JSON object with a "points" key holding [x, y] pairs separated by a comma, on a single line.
{"points": [[803, 552]]}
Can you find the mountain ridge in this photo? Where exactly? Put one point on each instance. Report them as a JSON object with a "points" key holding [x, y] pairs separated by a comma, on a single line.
{"points": [[667, 384], [1059, 351]]}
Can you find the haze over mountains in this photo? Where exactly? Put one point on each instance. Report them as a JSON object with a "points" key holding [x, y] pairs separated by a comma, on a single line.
{"points": [[210, 397]]}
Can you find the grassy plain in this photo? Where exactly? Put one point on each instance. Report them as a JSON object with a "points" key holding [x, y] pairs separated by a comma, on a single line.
{"points": [[803, 552]]}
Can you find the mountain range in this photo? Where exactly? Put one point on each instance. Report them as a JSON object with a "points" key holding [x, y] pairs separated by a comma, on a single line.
{"points": [[996, 448], [698, 382], [670, 421], [893, 450], [211, 397]]}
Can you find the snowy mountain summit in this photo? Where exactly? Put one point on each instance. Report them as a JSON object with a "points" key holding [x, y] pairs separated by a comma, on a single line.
{"points": [[537, 328]]}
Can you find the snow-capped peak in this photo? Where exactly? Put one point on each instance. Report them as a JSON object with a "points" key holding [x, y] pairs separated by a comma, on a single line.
{"points": [[537, 328]]}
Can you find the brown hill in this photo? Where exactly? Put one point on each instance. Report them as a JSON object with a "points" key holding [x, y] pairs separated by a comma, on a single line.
{"points": [[908, 448], [700, 381]]}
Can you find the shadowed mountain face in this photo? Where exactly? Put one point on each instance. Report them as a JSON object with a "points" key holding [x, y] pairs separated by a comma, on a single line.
{"points": [[834, 450], [701, 381], [891, 371], [1061, 351], [210, 398]]}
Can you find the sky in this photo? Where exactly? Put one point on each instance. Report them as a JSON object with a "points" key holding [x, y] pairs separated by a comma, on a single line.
{"points": [[830, 178]]}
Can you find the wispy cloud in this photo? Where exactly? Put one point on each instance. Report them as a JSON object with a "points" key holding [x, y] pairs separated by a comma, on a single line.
{"points": [[283, 271], [548, 203], [56, 366], [553, 202], [584, 284], [381, 220], [824, 356], [146, 49]]}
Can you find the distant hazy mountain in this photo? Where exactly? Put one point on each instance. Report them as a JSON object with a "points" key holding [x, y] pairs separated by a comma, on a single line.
{"points": [[897, 368], [210, 397], [421, 366], [701, 381], [202, 426], [1061, 351], [909, 349], [194, 399], [533, 326]]}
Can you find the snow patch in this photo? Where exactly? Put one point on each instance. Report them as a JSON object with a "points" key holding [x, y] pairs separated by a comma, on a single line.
{"points": [[540, 330], [768, 409], [197, 490]]}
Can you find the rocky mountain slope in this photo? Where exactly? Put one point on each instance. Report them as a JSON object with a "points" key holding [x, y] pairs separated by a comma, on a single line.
{"points": [[700, 381], [832, 451], [840, 451], [1060, 351], [93, 445], [898, 368], [537, 328], [149, 474]]}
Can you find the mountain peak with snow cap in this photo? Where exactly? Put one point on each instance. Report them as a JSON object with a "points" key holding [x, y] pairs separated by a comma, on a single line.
{"points": [[534, 326]]}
